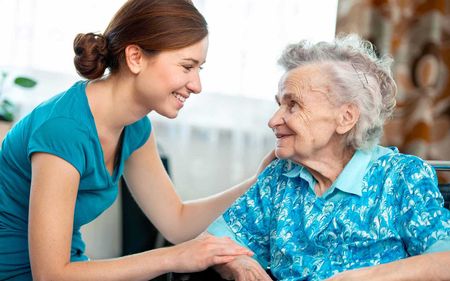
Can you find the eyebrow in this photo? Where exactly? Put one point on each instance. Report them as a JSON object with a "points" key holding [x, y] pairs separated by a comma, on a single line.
{"points": [[291, 96], [288, 96], [194, 61]]}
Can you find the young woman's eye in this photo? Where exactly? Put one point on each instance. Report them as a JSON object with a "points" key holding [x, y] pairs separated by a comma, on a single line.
{"points": [[188, 67]]}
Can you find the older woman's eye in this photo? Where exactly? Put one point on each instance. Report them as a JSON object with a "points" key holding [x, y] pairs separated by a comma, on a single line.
{"points": [[293, 106]]}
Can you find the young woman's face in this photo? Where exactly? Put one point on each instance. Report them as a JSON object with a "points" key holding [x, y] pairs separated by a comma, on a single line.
{"points": [[169, 78]]}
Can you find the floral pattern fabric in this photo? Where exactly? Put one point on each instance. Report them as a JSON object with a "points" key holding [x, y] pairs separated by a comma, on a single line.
{"points": [[395, 211]]}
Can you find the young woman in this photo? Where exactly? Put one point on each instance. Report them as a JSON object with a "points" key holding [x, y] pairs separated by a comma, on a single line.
{"points": [[60, 165]]}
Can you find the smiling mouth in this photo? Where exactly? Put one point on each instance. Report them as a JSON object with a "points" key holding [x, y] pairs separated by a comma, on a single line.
{"points": [[179, 97], [280, 136]]}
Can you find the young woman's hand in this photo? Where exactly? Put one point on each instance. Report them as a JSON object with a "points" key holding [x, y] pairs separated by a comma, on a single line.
{"points": [[265, 162], [203, 252], [242, 268]]}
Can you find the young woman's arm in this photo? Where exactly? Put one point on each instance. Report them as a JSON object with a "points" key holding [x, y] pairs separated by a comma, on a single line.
{"points": [[154, 192], [52, 202]]}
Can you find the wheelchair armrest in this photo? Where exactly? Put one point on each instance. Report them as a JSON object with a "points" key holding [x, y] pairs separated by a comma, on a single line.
{"points": [[444, 187]]}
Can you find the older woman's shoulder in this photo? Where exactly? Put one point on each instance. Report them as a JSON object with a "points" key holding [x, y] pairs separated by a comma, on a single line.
{"points": [[405, 166], [402, 177], [393, 157]]}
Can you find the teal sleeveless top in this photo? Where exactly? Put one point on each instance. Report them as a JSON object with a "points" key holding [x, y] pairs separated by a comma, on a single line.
{"points": [[62, 126]]}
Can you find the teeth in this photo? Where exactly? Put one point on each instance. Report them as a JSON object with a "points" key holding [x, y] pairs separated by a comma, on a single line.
{"points": [[179, 97]]}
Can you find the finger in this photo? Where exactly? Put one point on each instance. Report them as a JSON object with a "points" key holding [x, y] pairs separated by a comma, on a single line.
{"points": [[241, 276], [257, 275], [270, 157], [253, 276], [250, 271], [223, 246], [222, 259], [231, 249], [265, 277], [227, 241], [258, 272], [233, 245], [220, 251], [261, 275]]}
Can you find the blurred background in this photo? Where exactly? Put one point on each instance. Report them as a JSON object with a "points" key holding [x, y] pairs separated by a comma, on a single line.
{"points": [[221, 135]]}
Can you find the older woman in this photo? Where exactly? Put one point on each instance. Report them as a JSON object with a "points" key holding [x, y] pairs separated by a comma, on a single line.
{"points": [[336, 204]]}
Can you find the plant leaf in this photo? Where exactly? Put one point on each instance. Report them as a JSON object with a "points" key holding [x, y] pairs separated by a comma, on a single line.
{"points": [[6, 115], [25, 82]]}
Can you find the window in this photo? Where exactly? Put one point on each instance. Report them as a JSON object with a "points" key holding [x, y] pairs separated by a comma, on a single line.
{"points": [[246, 37]]}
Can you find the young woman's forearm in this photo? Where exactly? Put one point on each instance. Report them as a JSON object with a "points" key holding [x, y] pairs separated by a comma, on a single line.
{"points": [[191, 256], [197, 215], [142, 266]]}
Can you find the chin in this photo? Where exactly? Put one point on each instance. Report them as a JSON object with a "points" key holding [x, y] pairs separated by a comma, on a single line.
{"points": [[173, 116], [170, 115], [282, 153]]}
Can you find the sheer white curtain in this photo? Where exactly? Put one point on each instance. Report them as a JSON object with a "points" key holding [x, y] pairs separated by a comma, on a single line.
{"points": [[220, 135], [246, 37], [38, 34]]}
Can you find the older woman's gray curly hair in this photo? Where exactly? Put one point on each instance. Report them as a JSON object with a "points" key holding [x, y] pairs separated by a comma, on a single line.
{"points": [[358, 77]]}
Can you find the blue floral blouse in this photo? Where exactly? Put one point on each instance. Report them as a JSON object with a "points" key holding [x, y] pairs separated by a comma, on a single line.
{"points": [[384, 206]]}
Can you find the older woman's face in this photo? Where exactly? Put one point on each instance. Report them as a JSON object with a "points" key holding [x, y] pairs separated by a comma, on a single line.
{"points": [[305, 123]]}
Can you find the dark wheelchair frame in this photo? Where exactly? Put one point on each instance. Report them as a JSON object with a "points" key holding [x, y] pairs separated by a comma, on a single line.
{"points": [[211, 275]]}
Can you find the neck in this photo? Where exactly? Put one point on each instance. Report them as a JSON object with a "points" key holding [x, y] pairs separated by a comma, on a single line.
{"points": [[327, 166], [112, 104]]}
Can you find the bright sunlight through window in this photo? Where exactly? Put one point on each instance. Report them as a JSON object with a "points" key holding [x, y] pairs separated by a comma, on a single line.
{"points": [[246, 36]]}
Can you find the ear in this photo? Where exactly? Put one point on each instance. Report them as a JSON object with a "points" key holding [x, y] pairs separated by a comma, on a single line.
{"points": [[348, 116], [134, 58]]}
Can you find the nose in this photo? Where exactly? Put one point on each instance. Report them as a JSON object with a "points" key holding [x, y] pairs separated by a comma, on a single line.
{"points": [[195, 85], [277, 119]]}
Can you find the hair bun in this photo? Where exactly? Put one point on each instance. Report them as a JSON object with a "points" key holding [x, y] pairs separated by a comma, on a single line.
{"points": [[91, 55]]}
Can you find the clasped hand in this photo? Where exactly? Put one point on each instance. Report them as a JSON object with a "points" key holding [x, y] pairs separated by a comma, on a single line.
{"points": [[205, 251], [242, 268]]}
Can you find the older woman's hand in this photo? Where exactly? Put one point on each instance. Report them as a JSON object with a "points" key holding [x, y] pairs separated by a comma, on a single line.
{"points": [[242, 268]]}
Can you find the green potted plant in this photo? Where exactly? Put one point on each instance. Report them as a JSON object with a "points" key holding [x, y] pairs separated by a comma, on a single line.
{"points": [[7, 107]]}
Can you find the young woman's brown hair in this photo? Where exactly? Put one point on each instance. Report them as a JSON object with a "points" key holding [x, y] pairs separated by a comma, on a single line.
{"points": [[153, 25]]}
